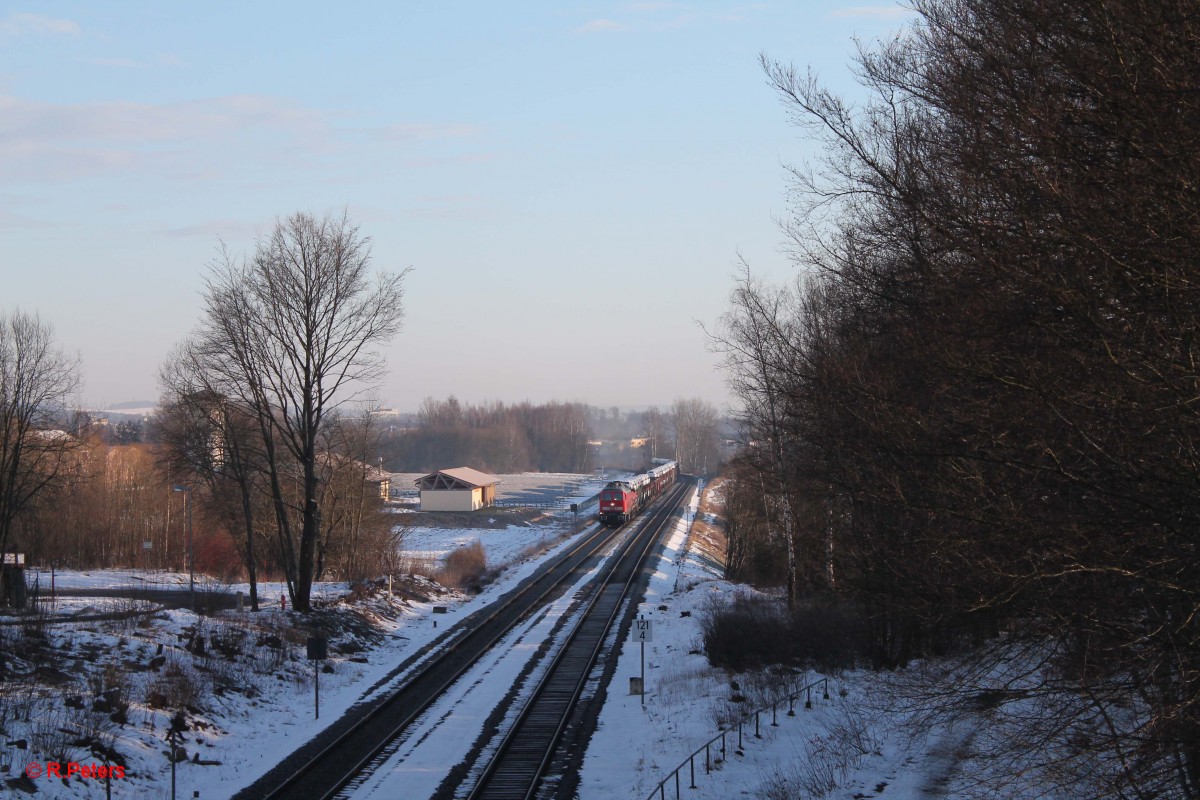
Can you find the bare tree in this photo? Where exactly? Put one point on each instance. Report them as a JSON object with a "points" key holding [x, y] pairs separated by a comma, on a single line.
{"points": [[655, 431], [358, 540], [694, 422], [291, 335], [211, 442], [36, 381]]}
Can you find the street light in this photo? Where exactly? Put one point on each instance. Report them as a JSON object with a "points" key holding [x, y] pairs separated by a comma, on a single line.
{"points": [[191, 551]]}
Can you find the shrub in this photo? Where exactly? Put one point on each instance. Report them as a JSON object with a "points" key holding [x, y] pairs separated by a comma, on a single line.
{"points": [[177, 687], [465, 567], [825, 634], [748, 632]]}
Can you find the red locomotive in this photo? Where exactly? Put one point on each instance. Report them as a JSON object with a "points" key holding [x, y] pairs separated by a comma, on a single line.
{"points": [[620, 501]]}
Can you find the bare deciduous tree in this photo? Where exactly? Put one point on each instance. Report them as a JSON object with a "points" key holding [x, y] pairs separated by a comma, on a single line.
{"points": [[292, 335], [211, 442], [36, 381], [694, 423]]}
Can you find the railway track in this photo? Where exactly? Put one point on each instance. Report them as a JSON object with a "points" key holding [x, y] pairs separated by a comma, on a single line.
{"points": [[320, 770], [521, 760]]}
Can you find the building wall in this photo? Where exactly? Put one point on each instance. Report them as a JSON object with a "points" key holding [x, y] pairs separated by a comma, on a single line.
{"points": [[451, 501]]}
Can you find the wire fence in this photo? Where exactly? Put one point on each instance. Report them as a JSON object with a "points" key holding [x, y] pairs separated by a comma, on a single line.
{"points": [[561, 505], [660, 791]]}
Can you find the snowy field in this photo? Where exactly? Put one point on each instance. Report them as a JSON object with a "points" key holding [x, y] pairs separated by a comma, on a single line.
{"points": [[562, 488], [119, 579], [502, 546]]}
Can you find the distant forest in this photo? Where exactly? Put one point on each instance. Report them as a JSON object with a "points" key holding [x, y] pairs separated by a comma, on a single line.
{"points": [[549, 437]]}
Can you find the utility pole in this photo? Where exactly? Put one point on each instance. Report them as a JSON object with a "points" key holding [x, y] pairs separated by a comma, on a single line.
{"points": [[191, 550]]}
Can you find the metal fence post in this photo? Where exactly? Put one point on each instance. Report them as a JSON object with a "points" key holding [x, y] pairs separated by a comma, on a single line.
{"points": [[724, 732]]}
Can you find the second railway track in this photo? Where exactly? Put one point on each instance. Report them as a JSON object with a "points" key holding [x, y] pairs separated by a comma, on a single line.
{"points": [[521, 760], [321, 769]]}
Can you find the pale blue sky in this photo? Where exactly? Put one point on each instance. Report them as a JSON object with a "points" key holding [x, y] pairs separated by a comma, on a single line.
{"points": [[570, 181]]}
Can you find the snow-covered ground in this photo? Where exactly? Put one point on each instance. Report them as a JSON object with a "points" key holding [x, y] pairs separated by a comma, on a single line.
{"points": [[236, 736], [854, 740], [502, 546], [855, 744], [445, 734]]}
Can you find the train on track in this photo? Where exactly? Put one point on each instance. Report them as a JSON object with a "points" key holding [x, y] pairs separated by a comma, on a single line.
{"points": [[620, 501]]}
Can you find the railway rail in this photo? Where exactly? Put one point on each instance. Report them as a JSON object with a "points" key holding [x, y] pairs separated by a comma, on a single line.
{"points": [[320, 770], [521, 760]]}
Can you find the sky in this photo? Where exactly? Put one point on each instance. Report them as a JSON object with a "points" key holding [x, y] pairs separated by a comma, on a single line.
{"points": [[571, 183]]}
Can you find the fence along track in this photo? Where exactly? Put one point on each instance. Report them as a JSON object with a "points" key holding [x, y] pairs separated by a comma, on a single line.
{"points": [[324, 774], [517, 767], [660, 791]]}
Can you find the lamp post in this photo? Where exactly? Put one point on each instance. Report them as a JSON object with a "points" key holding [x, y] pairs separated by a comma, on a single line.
{"points": [[191, 551]]}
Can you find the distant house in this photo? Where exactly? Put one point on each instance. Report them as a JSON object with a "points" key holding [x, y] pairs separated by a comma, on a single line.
{"points": [[380, 479], [458, 489]]}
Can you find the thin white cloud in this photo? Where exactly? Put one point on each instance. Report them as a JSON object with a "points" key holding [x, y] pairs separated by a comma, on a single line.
{"points": [[226, 229], [158, 60], [26, 122], [873, 12], [601, 26], [18, 24], [412, 131], [195, 140], [64, 141], [124, 63], [660, 15]]}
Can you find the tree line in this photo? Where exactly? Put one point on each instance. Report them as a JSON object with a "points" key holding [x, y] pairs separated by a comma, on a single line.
{"points": [[551, 437], [492, 436], [974, 411]]}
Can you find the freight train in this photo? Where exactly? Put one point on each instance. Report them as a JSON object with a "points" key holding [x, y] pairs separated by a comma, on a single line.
{"points": [[620, 501]]}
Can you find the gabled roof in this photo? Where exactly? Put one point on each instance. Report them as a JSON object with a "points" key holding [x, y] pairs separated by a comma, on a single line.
{"points": [[457, 478]]}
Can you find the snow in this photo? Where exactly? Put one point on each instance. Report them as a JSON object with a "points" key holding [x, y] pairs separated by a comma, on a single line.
{"points": [[855, 744], [855, 739], [502, 546], [243, 734], [444, 734], [119, 579]]}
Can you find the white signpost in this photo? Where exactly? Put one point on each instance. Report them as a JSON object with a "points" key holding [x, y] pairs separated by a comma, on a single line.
{"points": [[643, 631]]}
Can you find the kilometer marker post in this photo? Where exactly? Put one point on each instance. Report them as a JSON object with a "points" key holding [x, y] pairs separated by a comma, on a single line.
{"points": [[643, 631]]}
